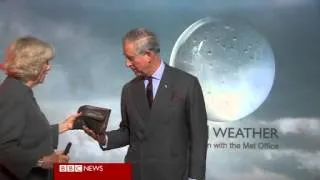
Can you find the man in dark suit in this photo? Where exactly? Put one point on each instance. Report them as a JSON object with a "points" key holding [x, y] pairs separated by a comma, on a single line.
{"points": [[163, 112], [27, 141]]}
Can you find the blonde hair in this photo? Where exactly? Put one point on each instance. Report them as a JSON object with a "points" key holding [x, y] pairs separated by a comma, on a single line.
{"points": [[26, 57]]}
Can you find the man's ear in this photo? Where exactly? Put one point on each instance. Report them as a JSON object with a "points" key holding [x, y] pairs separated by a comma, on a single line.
{"points": [[149, 53]]}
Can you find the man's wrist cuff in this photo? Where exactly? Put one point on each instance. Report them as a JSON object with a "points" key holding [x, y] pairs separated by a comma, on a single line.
{"points": [[105, 143], [103, 146], [39, 163]]}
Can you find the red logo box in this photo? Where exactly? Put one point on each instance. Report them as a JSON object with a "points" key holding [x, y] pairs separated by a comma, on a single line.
{"points": [[97, 171]]}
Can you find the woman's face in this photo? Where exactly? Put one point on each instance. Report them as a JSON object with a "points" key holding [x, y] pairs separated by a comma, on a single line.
{"points": [[43, 73]]}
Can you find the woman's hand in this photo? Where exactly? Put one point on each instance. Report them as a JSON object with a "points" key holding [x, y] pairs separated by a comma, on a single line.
{"points": [[67, 124]]}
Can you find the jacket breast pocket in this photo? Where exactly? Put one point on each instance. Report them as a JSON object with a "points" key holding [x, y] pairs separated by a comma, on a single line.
{"points": [[177, 99]]}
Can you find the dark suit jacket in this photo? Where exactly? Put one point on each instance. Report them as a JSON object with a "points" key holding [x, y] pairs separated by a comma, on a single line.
{"points": [[25, 133], [168, 142]]}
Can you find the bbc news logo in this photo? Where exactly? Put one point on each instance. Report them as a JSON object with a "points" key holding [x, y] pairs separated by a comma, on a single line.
{"points": [[80, 168]]}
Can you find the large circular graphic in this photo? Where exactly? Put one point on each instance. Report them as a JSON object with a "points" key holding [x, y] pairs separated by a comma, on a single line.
{"points": [[234, 64]]}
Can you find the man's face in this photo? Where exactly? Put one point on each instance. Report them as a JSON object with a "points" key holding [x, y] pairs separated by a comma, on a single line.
{"points": [[138, 63]]}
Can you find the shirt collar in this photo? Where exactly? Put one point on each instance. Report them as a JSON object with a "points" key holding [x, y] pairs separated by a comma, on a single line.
{"points": [[158, 73]]}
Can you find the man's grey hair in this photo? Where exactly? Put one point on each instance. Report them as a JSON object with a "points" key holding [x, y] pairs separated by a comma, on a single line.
{"points": [[145, 39]]}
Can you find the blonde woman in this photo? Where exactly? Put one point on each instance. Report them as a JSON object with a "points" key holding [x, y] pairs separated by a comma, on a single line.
{"points": [[27, 141]]}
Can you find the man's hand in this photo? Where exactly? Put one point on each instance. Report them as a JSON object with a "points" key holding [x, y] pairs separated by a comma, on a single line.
{"points": [[67, 124], [47, 162], [100, 138]]}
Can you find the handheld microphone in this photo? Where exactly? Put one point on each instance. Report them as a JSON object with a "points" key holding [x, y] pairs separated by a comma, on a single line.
{"points": [[67, 149]]}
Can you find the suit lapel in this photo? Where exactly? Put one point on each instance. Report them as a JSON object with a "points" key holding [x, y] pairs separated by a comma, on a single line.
{"points": [[164, 91], [140, 99], [161, 101]]}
